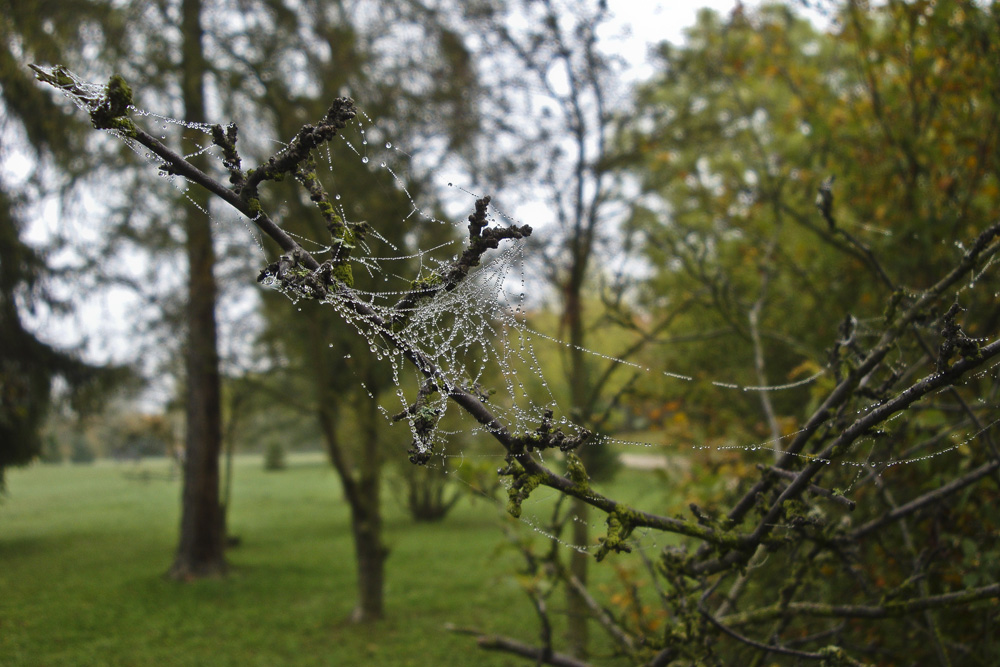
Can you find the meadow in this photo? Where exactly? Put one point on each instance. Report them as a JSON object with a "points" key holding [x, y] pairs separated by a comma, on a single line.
{"points": [[83, 551]]}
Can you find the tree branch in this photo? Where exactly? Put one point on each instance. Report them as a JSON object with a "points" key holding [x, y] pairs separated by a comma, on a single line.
{"points": [[889, 610], [508, 645]]}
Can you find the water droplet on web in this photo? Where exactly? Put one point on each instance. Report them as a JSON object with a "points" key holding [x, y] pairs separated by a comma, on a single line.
{"points": [[382, 164], [364, 160], [347, 356], [450, 185], [337, 197], [388, 144], [330, 345]]}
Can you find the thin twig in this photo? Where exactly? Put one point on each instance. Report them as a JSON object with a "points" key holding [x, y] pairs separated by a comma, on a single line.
{"points": [[508, 645]]}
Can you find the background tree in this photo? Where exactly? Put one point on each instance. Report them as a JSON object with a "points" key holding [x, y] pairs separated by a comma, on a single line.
{"points": [[201, 549], [52, 147], [751, 123]]}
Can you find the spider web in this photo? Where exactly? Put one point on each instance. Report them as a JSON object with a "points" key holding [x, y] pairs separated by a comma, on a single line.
{"points": [[479, 335]]}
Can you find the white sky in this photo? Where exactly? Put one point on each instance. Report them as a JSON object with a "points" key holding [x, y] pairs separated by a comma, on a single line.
{"points": [[653, 21]]}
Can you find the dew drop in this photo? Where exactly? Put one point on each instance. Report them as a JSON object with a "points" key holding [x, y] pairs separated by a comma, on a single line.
{"points": [[450, 185], [388, 144], [382, 164], [347, 356], [337, 197], [364, 160]]}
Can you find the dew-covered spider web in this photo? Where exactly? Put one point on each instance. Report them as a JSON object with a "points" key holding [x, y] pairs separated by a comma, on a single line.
{"points": [[484, 334]]}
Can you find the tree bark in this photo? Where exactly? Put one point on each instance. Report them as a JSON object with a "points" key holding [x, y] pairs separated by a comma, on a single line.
{"points": [[366, 516], [362, 491], [201, 551], [370, 553]]}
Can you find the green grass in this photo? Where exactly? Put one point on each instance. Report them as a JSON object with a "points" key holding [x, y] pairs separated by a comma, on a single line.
{"points": [[83, 550]]}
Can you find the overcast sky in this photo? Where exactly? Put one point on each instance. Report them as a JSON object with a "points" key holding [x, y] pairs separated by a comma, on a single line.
{"points": [[653, 21]]}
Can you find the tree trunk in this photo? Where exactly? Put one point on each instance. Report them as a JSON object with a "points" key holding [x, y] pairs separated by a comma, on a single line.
{"points": [[201, 551], [366, 515], [578, 614], [362, 490], [370, 553]]}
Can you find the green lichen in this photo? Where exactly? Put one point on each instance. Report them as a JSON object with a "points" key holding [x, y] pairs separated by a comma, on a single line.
{"points": [[343, 273], [344, 238], [329, 213], [111, 112], [530, 442], [620, 526], [123, 125], [430, 281], [576, 471], [521, 486], [119, 94]]}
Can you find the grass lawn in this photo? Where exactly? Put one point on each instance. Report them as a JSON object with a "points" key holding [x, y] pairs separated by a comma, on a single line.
{"points": [[83, 550]]}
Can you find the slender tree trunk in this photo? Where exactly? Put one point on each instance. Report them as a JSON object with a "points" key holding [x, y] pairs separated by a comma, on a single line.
{"points": [[201, 551], [367, 520], [362, 490], [366, 527], [577, 628]]}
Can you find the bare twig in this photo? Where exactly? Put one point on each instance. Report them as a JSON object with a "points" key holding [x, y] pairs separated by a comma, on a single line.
{"points": [[770, 648], [888, 610], [508, 645]]}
